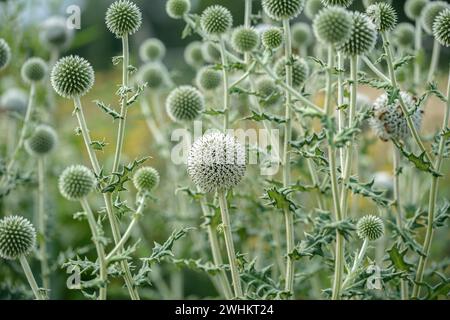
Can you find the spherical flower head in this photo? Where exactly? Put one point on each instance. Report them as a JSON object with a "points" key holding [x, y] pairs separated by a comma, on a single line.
{"points": [[370, 227], [42, 141], [54, 32], [185, 103], [332, 25], [339, 3], [123, 18], [383, 16], [152, 50], [34, 70], [210, 52], [76, 182], [283, 9], [216, 20], [5, 54], [413, 8], [17, 237], [312, 7], [430, 13], [368, 3], [404, 35], [176, 9], [363, 36], [301, 35], [272, 38], [14, 100], [244, 39], [441, 28], [72, 76], [146, 179], [154, 74], [389, 122], [300, 69], [269, 92], [216, 161], [193, 54], [208, 78]]}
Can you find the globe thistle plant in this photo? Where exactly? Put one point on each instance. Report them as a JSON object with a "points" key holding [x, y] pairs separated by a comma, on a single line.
{"points": [[300, 70], [123, 18], [152, 50], [312, 7], [55, 34], [413, 8], [340, 3], [370, 227], [244, 39], [193, 54], [301, 35], [185, 103], [430, 13], [146, 179], [272, 38], [332, 25], [76, 182], [404, 35], [363, 36], [34, 70], [441, 28], [176, 9], [208, 78], [216, 20], [42, 141], [383, 16], [5, 54], [282, 9]]}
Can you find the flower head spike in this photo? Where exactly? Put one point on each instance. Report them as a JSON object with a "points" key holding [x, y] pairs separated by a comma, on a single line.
{"points": [[216, 20], [370, 227], [413, 8], [283, 9], [216, 161], [176, 9], [17, 237], [5, 54], [76, 182], [244, 39], [54, 32], [272, 38], [123, 17], [72, 76], [404, 35], [42, 141], [332, 25], [300, 70], [312, 7], [208, 78], [34, 70], [152, 50], [146, 179], [193, 54], [301, 35], [430, 13], [441, 28], [340, 3], [14, 100], [185, 103], [363, 36], [383, 15]]}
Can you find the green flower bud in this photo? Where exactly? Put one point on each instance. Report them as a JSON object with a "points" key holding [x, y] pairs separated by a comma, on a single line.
{"points": [[208, 78], [370, 227], [244, 39], [216, 20], [146, 179], [76, 182], [17, 237], [42, 141], [34, 70], [123, 18], [185, 103]]}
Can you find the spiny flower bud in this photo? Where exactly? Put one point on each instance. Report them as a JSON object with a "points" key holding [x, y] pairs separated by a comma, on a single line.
{"points": [[17, 237], [34, 70], [152, 50], [368, 3], [176, 9], [216, 20], [404, 35], [54, 32], [216, 161], [312, 7], [210, 53], [272, 38], [269, 91], [193, 54], [430, 13], [146, 179], [300, 70], [154, 74], [370, 227], [244, 39], [441, 28], [185, 103], [333, 25], [76, 182], [42, 141], [388, 120], [383, 16], [413, 8], [340, 3], [208, 78], [362, 38], [5, 54], [301, 35], [72, 76], [283, 9], [123, 18], [14, 100]]}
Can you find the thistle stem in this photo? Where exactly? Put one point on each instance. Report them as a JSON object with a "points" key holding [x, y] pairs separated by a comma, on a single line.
{"points": [[31, 280], [356, 264], [418, 49], [41, 222], [341, 113], [229, 244], [225, 84], [151, 124], [375, 69], [432, 200], [434, 60], [98, 246]]}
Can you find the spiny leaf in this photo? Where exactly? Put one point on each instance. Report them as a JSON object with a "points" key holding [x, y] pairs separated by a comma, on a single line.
{"points": [[279, 198], [397, 259], [442, 215], [420, 162], [99, 145], [264, 116], [117, 60], [108, 110], [403, 61], [198, 265], [119, 178], [366, 190], [136, 95]]}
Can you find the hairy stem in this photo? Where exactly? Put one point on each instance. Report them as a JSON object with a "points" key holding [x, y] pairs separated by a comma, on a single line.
{"points": [[42, 222], [356, 264], [31, 280], [225, 84]]}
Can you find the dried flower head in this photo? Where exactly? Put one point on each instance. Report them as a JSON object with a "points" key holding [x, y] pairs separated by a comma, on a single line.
{"points": [[17, 237]]}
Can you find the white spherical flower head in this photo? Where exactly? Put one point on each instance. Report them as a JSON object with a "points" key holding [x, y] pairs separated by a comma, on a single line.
{"points": [[54, 32], [216, 161]]}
